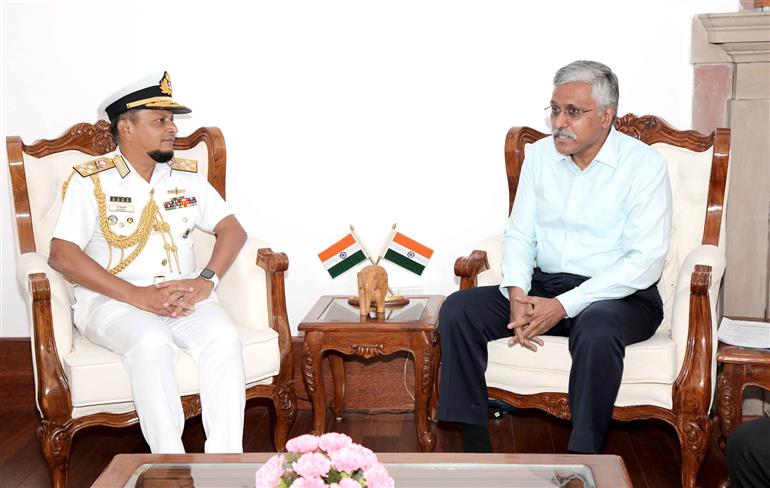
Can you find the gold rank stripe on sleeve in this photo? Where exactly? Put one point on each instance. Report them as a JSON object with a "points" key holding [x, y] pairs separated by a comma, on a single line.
{"points": [[180, 164], [103, 163]]}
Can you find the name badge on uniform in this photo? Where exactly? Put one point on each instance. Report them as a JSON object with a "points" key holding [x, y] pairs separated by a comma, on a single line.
{"points": [[180, 202], [120, 204]]}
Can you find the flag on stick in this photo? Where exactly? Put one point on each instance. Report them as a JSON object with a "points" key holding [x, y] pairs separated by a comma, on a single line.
{"points": [[408, 253], [342, 255]]}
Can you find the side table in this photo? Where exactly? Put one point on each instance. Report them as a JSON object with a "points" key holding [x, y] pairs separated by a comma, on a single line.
{"points": [[740, 367], [333, 325]]}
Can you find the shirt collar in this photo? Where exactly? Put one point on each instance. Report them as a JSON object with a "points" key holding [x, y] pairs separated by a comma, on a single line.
{"points": [[159, 173], [608, 154]]}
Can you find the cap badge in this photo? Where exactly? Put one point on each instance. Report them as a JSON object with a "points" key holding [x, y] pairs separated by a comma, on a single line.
{"points": [[165, 84]]}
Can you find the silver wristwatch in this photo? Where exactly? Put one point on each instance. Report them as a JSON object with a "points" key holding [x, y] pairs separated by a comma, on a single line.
{"points": [[209, 274]]}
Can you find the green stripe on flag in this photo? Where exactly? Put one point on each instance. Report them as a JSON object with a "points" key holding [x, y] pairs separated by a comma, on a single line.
{"points": [[346, 263], [404, 261]]}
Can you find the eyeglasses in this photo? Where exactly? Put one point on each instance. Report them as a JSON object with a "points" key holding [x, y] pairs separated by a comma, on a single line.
{"points": [[572, 113]]}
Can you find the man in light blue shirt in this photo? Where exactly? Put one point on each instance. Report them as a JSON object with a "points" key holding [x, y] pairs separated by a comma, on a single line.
{"points": [[583, 249]]}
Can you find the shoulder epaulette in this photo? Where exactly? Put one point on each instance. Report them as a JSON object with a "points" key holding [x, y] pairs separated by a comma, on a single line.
{"points": [[103, 163], [180, 164]]}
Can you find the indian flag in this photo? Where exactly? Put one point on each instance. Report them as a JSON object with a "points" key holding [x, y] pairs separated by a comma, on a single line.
{"points": [[342, 255], [408, 253]]}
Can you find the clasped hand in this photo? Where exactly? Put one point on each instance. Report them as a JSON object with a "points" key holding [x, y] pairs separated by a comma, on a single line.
{"points": [[533, 317], [174, 298]]}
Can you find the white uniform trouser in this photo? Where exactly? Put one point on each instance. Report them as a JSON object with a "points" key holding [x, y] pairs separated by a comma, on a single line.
{"points": [[150, 343]]}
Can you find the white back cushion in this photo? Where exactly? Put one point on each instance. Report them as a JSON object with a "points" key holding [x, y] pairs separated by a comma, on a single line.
{"points": [[689, 173]]}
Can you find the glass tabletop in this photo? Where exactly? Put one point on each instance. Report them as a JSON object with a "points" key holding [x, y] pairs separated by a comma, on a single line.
{"points": [[339, 310], [405, 475]]}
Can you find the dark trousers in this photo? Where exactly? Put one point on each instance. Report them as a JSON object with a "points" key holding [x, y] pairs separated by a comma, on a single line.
{"points": [[469, 319], [748, 454]]}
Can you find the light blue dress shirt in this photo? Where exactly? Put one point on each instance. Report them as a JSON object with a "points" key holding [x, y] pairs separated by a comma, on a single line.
{"points": [[610, 222]]}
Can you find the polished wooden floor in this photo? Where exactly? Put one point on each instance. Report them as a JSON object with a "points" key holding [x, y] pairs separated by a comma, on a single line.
{"points": [[649, 448]]}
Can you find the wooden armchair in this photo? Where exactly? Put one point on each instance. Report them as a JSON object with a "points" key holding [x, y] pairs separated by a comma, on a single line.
{"points": [[671, 376], [79, 384]]}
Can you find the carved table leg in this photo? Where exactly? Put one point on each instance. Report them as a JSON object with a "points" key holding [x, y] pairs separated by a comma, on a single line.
{"points": [[729, 396], [314, 383], [422, 349], [338, 376], [433, 406]]}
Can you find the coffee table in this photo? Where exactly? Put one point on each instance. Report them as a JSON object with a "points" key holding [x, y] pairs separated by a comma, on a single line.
{"points": [[409, 470], [336, 327]]}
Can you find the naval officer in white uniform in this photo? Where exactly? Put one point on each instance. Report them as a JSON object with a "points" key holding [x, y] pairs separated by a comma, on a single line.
{"points": [[123, 237]]}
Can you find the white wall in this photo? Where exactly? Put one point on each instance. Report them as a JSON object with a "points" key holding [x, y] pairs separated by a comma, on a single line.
{"points": [[341, 112]]}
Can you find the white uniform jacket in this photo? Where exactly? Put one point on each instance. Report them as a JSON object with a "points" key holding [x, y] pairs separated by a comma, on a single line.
{"points": [[184, 197]]}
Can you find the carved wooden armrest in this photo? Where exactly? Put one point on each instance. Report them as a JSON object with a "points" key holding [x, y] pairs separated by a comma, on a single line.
{"points": [[692, 389], [469, 267], [275, 264], [53, 386], [46, 292]]}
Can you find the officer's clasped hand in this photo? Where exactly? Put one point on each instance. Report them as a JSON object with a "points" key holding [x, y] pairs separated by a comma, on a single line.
{"points": [[185, 295]]}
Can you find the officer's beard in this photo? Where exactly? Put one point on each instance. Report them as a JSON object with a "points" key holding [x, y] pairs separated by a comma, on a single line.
{"points": [[161, 156]]}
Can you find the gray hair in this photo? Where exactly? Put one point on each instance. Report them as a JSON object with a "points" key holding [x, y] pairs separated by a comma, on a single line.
{"points": [[602, 79]]}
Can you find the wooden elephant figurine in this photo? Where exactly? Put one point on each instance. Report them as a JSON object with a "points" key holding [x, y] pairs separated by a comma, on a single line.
{"points": [[372, 286]]}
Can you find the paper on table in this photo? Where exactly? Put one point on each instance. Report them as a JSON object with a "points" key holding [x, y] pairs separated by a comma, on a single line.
{"points": [[745, 333]]}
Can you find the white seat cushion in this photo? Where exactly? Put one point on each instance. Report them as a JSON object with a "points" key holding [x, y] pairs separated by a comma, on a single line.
{"points": [[97, 377]]}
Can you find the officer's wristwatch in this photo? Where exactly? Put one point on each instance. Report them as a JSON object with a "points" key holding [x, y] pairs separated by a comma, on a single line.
{"points": [[209, 274]]}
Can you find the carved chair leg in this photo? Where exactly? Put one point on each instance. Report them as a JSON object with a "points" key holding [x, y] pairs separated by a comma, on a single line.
{"points": [[694, 432], [56, 441], [285, 401]]}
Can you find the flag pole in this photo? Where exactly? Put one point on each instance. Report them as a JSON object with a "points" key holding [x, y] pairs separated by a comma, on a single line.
{"points": [[361, 243], [387, 242]]}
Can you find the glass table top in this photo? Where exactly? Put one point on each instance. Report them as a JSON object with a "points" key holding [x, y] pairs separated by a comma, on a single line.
{"points": [[339, 310], [447, 475]]}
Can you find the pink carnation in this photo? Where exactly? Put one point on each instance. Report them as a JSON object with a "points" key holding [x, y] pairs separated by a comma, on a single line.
{"points": [[303, 443], [269, 475], [352, 458], [333, 441], [346, 483], [377, 477], [308, 483], [312, 465], [315, 457]]}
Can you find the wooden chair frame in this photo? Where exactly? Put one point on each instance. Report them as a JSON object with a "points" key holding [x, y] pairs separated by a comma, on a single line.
{"points": [[57, 427], [692, 389]]}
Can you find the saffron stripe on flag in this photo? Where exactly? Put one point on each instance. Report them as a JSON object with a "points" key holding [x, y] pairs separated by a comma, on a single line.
{"points": [[346, 263], [403, 261], [337, 247], [413, 245]]}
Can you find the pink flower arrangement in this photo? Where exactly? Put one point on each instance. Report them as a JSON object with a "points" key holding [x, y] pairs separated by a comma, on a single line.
{"points": [[317, 462]]}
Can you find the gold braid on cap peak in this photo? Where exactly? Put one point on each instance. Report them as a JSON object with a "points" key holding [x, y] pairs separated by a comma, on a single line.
{"points": [[150, 220]]}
